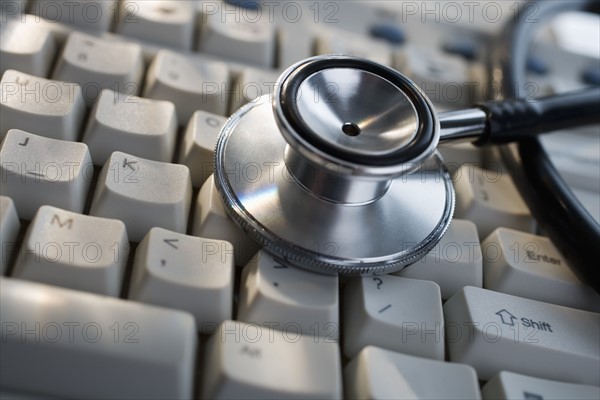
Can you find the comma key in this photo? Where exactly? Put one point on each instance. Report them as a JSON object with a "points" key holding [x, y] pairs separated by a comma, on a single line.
{"points": [[493, 332], [143, 194], [75, 251], [72, 344], [39, 171], [185, 272]]}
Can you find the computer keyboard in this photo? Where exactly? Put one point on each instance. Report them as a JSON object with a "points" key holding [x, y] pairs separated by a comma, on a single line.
{"points": [[124, 277]]}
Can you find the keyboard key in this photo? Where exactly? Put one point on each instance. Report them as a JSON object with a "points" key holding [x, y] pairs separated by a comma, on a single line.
{"points": [[537, 65], [397, 314], [185, 272], [39, 171], [197, 150], [250, 85], [489, 199], [30, 49], [45, 107], [390, 32], [190, 83], [446, 79], [96, 15], [464, 48], [143, 194], [167, 23], [249, 361], [98, 64], [576, 155], [376, 373], [457, 154], [508, 385], [530, 266], [72, 344], [591, 75], [75, 251], [290, 299], [453, 263], [137, 126], [211, 221], [493, 332], [348, 43], [9, 229], [246, 36], [248, 4]]}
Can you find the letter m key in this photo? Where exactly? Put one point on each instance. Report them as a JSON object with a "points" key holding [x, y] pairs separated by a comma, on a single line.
{"points": [[56, 219]]}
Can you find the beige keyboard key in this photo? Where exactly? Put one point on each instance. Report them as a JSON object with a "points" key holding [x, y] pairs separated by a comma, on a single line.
{"points": [[243, 35], [446, 79], [496, 332], [143, 194], [490, 199], [250, 85], [167, 23], [95, 15], [97, 64], [376, 373], [38, 171], [398, 314], [75, 251], [530, 266], [26, 48], [253, 362], [190, 83], [9, 229], [71, 344], [45, 107], [137, 126], [212, 221], [273, 293], [455, 262], [508, 385], [353, 44], [197, 150], [187, 273]]}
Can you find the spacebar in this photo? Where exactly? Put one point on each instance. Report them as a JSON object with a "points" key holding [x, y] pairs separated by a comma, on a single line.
{"points": [[79, 345]]}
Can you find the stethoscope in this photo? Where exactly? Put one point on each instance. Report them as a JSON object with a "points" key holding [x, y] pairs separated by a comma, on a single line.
{"points": [[337, 171]]}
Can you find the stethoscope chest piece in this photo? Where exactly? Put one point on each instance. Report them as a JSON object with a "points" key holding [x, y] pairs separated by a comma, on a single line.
{"points": [[337, 171]]}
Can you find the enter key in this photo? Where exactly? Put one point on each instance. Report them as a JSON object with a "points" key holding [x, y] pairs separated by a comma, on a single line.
{"points": [[493, 332]]}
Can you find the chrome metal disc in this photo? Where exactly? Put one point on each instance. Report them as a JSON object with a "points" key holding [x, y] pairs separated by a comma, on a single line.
{"points": [[306, 231]]}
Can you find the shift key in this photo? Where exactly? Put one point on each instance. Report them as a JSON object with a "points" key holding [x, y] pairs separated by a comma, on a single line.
{"points": [[493, 332]]}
